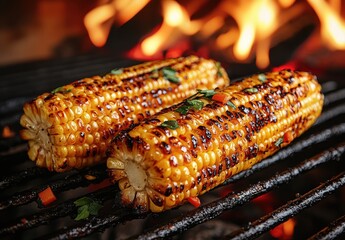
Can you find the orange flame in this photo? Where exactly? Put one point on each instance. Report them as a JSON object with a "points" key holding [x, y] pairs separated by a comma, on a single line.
{"points": [[99, 20], [254, 28], [332, 26], [176, 20]]}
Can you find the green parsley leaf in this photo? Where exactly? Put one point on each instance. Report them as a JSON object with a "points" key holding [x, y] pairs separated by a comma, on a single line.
{"points": [[251, 90], [231, 104], [83, 213], [94, 207], [207, 93], [155, 73], [86, 207], [195, 103], [170, 74], [61, 90], [183, 109], [117, 71], [219, 66], [188, 104], [262, 77], [172, 124], [279, 142]]}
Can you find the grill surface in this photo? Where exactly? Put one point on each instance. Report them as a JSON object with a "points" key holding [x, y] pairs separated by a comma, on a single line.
{"points": [[306, 179]]}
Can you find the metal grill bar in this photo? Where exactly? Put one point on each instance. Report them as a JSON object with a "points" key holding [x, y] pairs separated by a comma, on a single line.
{"points": [[10, 113], [313, 139], [71, 181], [294, 148], [288, 210], [22, 176], [335, 229], [214, 209], [64, 209]]}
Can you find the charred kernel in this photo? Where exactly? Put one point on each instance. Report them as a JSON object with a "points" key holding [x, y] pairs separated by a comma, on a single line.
{"points": [[244, 109], [227, 162], [194, 153], [230, 114], [173, 161], [166, 149], [198, 179], [227, 137], [209, 172], [220, 168], [208, 134], [269, 99], [194, 141], [203, 139], [234, 158], [168, 191]]}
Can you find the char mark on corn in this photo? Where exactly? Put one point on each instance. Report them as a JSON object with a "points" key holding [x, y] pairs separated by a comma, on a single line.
{"points": [[72, 126], [158, 166]]}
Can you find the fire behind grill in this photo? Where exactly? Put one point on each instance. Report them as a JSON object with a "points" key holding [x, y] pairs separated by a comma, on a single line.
{"points": [[303, 181]]}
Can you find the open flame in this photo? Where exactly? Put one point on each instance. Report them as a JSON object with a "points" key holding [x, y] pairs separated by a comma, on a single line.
{"points": [[240, 30]]}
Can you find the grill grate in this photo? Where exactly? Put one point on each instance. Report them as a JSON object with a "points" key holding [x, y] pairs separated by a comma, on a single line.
{"points": [[321, 148]]}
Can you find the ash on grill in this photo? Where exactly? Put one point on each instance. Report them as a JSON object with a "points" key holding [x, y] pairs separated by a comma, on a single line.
{"points": [[303, 182]]}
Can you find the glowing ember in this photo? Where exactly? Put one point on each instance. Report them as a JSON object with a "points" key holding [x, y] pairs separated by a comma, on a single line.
{"points": [[7, 132], [284, 231]]}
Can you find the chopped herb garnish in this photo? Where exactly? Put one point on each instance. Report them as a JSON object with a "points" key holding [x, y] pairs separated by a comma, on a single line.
{"points": [[279, 142], [231, 104], [86, 207], [170, 74], [61, 90], [183, 109], [262, 77], [251, 90], [207, 93], [195, 103], [188, 104], [155, 74], [219, 66], [117, 71], [172, 124]]}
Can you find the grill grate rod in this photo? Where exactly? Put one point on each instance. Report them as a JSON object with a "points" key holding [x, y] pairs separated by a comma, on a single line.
{"points": [[288, 210], [214, 209], [295, 147], [330, 114], [61, 210], [69, 182], [313, 139], [27, 174], [334, 230], [72, 181], [96, 224], [333, 97]]}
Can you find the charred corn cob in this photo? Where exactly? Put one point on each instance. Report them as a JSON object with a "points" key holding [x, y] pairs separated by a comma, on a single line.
{"points": [[72, 126], [192, 147]]}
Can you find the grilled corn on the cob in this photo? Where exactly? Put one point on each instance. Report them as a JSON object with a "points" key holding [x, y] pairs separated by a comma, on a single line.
{"points": [[192, 147], [71, 127]]}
